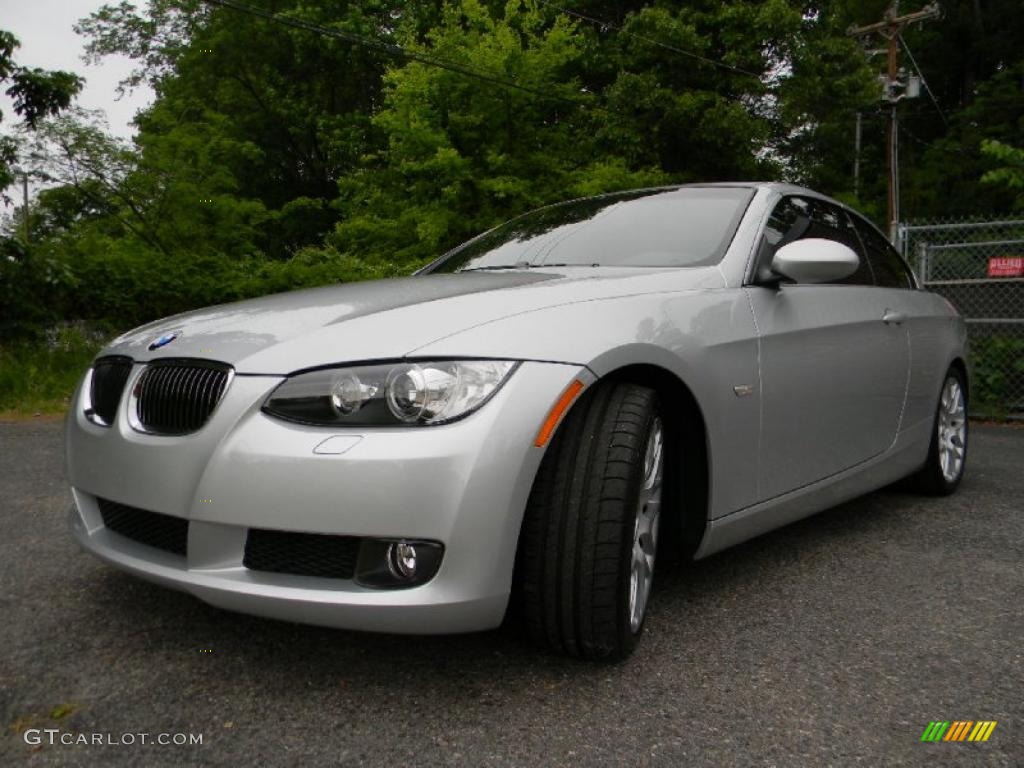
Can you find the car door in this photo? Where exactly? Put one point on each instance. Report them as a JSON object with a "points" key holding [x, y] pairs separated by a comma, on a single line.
{"points": [[834, 359], [921, 316]]}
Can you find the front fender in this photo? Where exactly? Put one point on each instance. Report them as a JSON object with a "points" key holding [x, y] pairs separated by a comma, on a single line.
{"points": [[706, 338]]}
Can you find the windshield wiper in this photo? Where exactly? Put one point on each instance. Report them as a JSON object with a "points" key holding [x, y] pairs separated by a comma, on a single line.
{"points": [[523, 265]]}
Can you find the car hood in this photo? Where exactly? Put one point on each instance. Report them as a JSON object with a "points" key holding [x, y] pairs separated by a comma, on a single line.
{"points": [[380, 319]]}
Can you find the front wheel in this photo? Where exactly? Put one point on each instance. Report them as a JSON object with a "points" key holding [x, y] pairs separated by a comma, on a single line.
{"points": [[947, 453], [590, 534]]}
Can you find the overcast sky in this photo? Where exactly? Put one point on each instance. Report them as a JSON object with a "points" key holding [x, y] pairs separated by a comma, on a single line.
{"points": [[44, 28]]}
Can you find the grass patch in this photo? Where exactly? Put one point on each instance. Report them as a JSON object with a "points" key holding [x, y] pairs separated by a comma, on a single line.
{"points": [[39, 377], [61, 711]]}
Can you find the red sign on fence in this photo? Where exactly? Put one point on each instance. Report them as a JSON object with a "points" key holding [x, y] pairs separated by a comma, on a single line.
{"points": [[1006, 266]]}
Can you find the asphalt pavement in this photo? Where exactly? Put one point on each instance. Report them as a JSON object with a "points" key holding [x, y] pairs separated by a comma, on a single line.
{"points": [[834, 641]]}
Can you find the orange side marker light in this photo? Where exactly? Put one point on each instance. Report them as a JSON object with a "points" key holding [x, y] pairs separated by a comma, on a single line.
{"points": [[557, 410]]}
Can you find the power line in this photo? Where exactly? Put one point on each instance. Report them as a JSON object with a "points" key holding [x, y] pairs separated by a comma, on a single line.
{"points": [[924, 80], [938, 147], [395, 50], [619, 30], [890, 29]]}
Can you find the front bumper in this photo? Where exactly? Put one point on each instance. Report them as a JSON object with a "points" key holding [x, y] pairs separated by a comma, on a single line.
{"points": [[463, 484]]}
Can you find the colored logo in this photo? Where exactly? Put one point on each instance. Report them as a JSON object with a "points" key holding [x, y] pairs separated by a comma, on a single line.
{"points": [[959, 730], [164, 340]]}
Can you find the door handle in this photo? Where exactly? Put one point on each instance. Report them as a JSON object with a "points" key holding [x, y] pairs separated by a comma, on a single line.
{"points": [[892, 317]]}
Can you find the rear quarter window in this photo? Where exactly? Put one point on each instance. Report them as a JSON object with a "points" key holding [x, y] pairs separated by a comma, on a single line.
{"points": [[889, 268]]}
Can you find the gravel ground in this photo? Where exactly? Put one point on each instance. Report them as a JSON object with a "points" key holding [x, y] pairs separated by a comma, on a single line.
{"points": [[831, 642]]}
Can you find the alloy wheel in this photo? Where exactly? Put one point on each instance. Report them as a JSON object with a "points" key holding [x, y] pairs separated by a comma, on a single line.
{"points": [[645, 526], [952, 427]]}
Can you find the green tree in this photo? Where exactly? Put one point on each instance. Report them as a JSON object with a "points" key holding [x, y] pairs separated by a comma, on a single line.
{"points": [[702, 92], [284, 151], [263, 113], [462, 153], [973, 62], [1009, 172], [36, 93]]}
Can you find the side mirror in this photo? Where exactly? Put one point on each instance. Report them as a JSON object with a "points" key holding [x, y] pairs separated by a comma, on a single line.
{"points": [[815, 260]]}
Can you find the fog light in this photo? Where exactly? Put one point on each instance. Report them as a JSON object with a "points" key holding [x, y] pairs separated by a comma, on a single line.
{"points": [[397, 563], [402, 559]]}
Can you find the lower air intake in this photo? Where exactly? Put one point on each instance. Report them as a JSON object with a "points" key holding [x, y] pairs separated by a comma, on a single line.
{"points": [[302, 554], [150, 528]]}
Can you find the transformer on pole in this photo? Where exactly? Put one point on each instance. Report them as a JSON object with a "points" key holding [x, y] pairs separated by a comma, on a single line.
{"points": [[896, 85]]}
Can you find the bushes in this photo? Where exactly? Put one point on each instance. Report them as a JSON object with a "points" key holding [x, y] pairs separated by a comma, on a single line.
{"points": [[997, 375], [40, 375], [29, 286], [58, 305], [309, 268], [119, 284]]}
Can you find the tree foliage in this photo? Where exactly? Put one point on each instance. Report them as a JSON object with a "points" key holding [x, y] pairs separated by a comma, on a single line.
{"points": [[1009, 172], [280, 153], [36, 93]]}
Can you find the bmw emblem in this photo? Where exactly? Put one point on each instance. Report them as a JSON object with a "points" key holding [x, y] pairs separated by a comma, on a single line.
{"points": [[164, 340]]}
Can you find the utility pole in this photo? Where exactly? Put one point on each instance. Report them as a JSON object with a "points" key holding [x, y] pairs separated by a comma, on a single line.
{"points": [[24, 203], [894, 88], [856, 157]]}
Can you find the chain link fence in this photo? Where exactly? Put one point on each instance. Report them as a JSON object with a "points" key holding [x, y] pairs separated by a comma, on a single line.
{"points": [[979, 267]]}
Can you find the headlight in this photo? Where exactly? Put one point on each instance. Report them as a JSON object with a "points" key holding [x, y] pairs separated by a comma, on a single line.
{"points": [[415, 392]]}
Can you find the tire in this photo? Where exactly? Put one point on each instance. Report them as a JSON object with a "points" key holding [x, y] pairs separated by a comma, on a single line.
{"points": [[599, 484], [949, 437]]}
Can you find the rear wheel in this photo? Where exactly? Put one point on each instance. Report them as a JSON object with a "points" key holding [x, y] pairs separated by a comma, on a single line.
{"points": [[590, 534], [947, 454]]}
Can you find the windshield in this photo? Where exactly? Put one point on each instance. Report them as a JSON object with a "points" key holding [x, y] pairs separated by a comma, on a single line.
{"points": [[685, 227]]}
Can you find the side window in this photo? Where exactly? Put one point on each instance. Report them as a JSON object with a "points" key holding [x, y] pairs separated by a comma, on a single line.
{"points": [[790, 218], [798, 218], [890, 270]]}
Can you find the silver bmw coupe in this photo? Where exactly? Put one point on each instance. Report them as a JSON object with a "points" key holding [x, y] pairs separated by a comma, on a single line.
{"points": [[528, 424]]}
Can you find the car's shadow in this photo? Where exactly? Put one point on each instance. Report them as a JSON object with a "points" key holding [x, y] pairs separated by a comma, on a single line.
{"points": [[148, 622]]}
